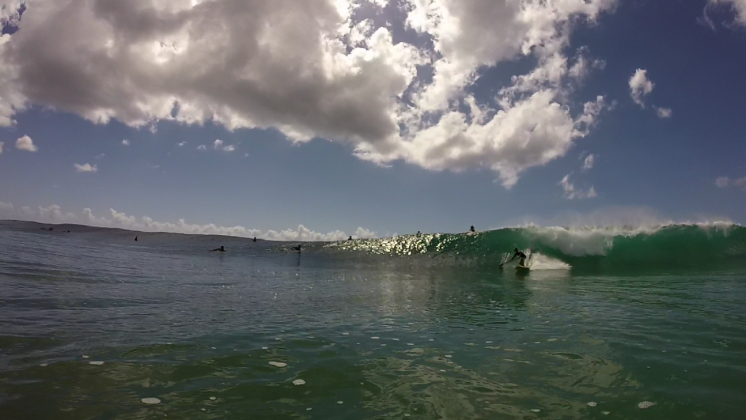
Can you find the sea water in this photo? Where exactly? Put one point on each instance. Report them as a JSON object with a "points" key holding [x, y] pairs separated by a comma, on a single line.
{"points": [[609, 323]]}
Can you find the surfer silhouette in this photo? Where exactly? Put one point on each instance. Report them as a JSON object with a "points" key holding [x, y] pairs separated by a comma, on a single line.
{"points": [[518, 254], [472, 229], [221, 249], [350, 238], [296, 248]]}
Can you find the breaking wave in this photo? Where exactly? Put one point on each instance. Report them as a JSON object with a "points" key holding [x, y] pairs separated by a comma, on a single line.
{"points": [[579, 248]]}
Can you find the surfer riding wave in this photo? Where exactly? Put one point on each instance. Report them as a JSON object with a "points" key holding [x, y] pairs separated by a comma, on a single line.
{"points": [[517, 254]]}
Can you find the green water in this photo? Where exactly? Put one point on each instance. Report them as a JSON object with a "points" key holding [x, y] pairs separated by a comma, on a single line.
{"points": [[371, 337]]}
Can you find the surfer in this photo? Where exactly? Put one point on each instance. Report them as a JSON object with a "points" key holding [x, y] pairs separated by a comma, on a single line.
{"points": [[518, 254], [472, 230], [221, 249], [296, 248], [350, 238], [254, 239], [135, 238]]}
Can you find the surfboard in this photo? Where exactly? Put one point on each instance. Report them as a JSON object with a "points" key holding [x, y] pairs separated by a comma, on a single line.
{"points": [[522, 267]]}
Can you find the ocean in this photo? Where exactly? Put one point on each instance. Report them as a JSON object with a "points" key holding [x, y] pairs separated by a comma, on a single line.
{"points": [[609, 323]]}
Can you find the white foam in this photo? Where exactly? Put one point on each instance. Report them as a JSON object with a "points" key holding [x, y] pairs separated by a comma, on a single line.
{"points": [[345, 333], [646, 404], [605, 413], [536, 410], [86, 357], [212, 398], [375, 338], [278, 364], [44, 365], [150, 400], [410, 344], [299, 382], [542, 262], [340, 402], [265, 348], [592, 404], [96, 363]]}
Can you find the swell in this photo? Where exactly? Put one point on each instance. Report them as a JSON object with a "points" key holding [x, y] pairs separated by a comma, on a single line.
{"points": [[667, 246]]}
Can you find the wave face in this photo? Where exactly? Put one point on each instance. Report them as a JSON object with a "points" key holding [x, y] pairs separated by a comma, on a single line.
{"points": [[666, 246]]}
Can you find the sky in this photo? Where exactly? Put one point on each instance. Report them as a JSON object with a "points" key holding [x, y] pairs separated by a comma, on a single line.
{"points": [[321, 119]]}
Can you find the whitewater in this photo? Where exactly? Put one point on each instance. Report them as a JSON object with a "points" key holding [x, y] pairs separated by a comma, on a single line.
{"points": [[610, 322]]}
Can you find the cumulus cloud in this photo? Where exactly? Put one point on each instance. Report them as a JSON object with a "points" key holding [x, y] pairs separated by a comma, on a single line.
{"points": [[738, 6], [571, 192], [116, 219], [182, 144], [51, 214], [201, 147], [640, 86], [663, 112], [725, 182], [218, 145], [588, 162], [126, 142], [315, 69], [85, 168], [25, 143]]}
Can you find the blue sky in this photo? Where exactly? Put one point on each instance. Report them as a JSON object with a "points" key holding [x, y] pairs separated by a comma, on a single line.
{"points": [[384, 139]]}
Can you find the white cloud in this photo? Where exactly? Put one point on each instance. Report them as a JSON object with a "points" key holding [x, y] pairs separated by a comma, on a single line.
{"points": [[218, 145], [85, 168], [738, 6], [201, 147], [663, 112], [182, 144], [51, 214], [588, 163], [1, 147], [236, 63], [126, 142], [640, 86], [362, 233], [101, 156], [725, 182], [571, 192], [25, 143], [116, 219]]}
